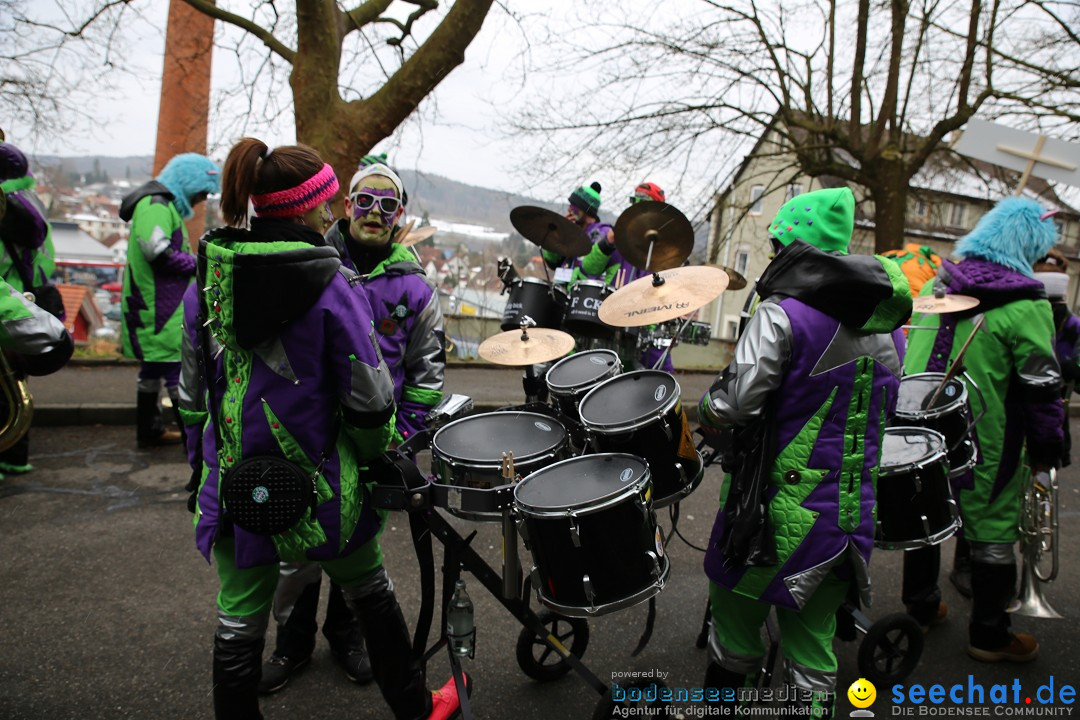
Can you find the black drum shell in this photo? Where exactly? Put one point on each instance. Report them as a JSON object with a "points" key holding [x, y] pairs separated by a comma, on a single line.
{"points": [[566, 393], [544, 303], [951, 415], [909, 491], [655, 434], [583, 305], [617, 541]]}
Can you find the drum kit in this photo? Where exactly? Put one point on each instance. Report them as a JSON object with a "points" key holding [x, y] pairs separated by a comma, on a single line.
{"points": [[656, 239]]}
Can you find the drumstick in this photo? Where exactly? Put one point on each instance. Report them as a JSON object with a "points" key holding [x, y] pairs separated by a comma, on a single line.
{"points": [[957, 363]]}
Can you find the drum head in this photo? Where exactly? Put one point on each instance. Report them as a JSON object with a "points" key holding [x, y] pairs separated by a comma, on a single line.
{"points": [[916, 390], [907, 447], [628, 398], [580, 482], [581, 370], [484, 438]]}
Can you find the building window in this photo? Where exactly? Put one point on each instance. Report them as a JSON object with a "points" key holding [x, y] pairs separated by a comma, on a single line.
{"points": [[956, 216], [757, 192], [732, 331], [921, 209], [742, 259], [793, 189]]}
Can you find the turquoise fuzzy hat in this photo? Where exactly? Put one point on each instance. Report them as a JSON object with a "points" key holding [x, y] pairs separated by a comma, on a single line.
{"points": [[1015, 233], [822, 218], [187, 175]]}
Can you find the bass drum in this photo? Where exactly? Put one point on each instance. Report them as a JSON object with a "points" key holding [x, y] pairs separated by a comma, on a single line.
{"points": [[641, 413], [468, 453], [589, 525], [915, 506], [582, 313], [543, 302]]}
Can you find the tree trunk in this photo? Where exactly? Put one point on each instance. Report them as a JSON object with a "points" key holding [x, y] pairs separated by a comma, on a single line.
{"points": [[890, 206]]}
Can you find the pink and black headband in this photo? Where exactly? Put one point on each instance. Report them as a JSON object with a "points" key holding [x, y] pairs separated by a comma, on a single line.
{"points": [[292, 202]]}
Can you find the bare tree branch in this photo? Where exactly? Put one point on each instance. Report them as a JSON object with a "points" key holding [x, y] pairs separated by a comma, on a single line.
{"points": [[268, 39]]}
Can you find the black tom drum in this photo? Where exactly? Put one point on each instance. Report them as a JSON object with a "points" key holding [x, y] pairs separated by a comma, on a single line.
{"points": [[543, 302], [915, 506]]}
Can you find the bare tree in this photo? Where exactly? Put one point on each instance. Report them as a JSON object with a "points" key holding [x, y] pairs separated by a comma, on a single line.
{"points": [[56, 62], [865, 92], [356, 73]]}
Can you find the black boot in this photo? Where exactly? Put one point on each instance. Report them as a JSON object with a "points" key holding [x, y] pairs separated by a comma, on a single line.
{"points": [[342, 630], [149, 428], [398, 673], [236, 678], [993, 588], [295, 641]]}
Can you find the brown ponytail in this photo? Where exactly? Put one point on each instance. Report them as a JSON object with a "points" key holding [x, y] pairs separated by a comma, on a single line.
{"points": [[253, 169]]}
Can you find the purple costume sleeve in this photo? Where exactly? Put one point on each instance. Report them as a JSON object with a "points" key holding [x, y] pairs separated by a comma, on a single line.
{"points": [[177, 263]]}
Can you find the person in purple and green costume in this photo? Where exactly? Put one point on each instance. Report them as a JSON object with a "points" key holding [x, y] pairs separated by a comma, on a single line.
{"points": [[584, 211], [819, 362], [160, 267], [1052, 272], [606, 263], [1012, 361], [299, 377], [409, 326], [26, 264]]}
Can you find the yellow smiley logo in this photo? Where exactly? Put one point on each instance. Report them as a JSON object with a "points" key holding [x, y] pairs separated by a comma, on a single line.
{"points": [[862, 693]]}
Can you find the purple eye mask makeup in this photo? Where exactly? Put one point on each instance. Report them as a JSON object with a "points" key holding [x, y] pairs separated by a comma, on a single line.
{"points": [[387, 218]]}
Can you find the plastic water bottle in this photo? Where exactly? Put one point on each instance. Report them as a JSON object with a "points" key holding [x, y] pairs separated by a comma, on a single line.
{"points": [[460, 630]]}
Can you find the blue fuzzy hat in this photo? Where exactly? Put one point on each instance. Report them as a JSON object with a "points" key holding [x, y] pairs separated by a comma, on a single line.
{"points": [[187, 175], [1015, 233]]}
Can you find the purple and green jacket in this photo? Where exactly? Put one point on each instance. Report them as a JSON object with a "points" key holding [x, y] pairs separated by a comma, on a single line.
{"points": [[159, 269], [821, 359], [301, 377], [408, 323], [27, 255], [596, 232], [1011, 361]]}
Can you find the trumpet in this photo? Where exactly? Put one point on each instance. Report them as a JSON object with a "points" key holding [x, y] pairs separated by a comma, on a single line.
{"points": [[1039, 543]]}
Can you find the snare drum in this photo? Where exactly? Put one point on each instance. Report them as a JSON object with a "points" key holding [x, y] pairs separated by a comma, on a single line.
{"points": [[589, 524], [534, 297], [570, 379], [467, 454], [641, 413], [584, 305], [915, 506], [950, 415]]}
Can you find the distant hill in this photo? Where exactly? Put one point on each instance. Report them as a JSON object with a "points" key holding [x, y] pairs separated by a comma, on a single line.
{"points": [[136, 168]]}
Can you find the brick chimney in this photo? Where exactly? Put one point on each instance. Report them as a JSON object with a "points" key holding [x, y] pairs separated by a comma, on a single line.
{"points": [[184, 110]]}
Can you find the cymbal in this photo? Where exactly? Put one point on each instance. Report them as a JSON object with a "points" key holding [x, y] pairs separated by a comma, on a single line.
{"points": [[684, 289], [418, 236], [662, 225], [735, 280], [931, 305], [550, 230], [540, 345]]}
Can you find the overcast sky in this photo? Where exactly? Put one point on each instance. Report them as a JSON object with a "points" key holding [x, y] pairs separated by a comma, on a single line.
{"points": [[459, 132]]}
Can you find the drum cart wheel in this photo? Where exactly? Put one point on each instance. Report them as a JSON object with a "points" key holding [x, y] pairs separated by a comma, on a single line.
{"points": [[891, 649], [539, 660], [609, 708]]}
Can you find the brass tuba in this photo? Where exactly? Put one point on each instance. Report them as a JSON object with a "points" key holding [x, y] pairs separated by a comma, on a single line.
{"points": [[1039, 543], [20, 405]]}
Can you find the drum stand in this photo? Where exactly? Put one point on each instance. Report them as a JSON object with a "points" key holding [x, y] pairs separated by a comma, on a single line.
{"points": [[420, 498]]}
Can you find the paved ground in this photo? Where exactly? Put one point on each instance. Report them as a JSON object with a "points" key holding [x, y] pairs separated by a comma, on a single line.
{"points": [[107, 610]]}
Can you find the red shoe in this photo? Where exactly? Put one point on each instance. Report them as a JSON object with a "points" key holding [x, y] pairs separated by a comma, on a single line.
{"points": [[445, 702]]}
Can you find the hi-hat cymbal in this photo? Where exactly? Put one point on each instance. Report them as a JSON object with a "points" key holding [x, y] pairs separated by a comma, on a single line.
{"points": [[539, 345], [659, 224], [419, 235], [684, 289], [550, 230], [931, 305]]}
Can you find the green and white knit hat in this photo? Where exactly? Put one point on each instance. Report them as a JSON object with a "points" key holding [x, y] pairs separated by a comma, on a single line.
{"points": [[823, 218], [587, 199]]}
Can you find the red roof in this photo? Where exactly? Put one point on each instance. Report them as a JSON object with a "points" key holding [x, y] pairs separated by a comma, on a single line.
{"points": [[78, 300]]}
